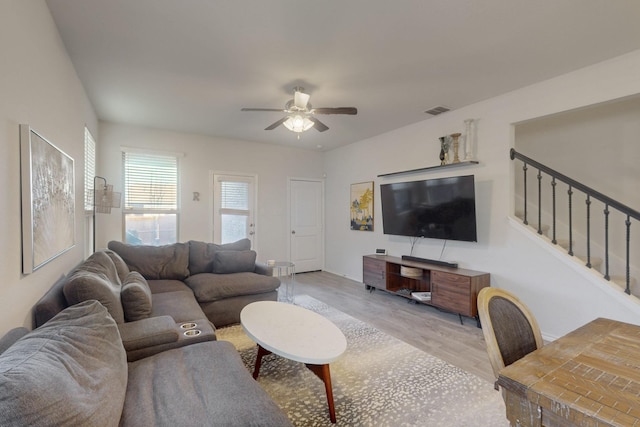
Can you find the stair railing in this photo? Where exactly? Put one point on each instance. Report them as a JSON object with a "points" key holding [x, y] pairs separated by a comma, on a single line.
{"points": [[590, 194]]}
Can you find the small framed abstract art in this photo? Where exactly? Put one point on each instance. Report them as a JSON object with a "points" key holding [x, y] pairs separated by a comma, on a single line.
{"points": [[48, 200], [362, 206]]}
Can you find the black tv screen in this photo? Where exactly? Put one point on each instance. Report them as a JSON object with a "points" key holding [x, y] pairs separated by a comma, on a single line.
{"points": [[442, 208]]}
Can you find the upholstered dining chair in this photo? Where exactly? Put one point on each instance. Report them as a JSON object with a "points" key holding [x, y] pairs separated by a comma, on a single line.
{"points": [[510, 330]]}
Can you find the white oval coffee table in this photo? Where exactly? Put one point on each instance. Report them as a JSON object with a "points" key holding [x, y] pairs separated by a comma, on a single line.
{"points": [[297, 334]]}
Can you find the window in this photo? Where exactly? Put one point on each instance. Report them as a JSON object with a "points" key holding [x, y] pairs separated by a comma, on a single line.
{"points": [[150, 198], [233, 205], [89, 173], [89, 169]]}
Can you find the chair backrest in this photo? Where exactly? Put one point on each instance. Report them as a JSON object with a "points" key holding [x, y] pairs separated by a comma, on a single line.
{"points": [[510, 330]]}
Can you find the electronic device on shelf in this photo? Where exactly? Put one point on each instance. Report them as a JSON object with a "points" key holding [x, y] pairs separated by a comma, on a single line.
{"points": [[441, 208]]}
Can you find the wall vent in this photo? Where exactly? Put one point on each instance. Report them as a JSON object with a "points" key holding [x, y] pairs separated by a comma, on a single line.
{"points": [[437, 110]]}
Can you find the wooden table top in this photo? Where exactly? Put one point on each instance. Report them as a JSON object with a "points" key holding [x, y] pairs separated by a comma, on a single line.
{"points": [[590, 376]]}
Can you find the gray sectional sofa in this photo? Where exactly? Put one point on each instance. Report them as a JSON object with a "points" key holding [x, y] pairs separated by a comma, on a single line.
{"points": [[73, 371], [128, 337]]}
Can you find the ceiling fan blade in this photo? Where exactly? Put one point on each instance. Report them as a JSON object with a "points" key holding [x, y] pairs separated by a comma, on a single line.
{"points": [[318, 125], [264, 109], [338, 110], [300, 99], [276, 124]]}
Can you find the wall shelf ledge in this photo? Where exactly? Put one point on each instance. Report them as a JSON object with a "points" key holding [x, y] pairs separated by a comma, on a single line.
{"points": [[431, 168]]}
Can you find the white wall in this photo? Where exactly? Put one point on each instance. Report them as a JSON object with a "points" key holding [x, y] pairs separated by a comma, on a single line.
{"points": [[561, 296], [38, 86], [272, 164]]}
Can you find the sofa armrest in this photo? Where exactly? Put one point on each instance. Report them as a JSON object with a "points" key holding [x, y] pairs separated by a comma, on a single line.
{"points": [[263, 269], [11, 337], [148, 332]]}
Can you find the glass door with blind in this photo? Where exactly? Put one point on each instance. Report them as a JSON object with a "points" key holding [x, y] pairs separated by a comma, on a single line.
{"points": [[233, 208]]}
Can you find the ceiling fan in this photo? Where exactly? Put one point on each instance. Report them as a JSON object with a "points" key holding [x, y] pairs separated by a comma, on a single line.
{"points": [[300, 114]]}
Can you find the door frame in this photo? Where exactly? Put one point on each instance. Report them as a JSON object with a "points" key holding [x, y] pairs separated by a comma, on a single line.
{"points": [[322, 213]]}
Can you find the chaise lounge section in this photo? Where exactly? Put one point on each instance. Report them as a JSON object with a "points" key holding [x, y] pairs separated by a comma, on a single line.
{"points": [[73, 371]]}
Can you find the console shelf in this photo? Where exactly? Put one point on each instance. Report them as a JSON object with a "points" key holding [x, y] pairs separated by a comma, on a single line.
{"points": [[452, 289], [429, 168]]}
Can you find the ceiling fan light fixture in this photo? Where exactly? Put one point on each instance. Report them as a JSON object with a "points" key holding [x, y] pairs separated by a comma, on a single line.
{"points": [[298, 123]]}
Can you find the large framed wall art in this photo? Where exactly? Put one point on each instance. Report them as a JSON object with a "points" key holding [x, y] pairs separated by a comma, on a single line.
{"points": [[48, 200]]}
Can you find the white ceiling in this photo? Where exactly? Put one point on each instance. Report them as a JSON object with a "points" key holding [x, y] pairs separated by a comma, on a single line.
{"points": [[191, 65]]}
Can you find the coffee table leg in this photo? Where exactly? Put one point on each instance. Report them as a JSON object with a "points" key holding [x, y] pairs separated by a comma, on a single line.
{"points": [[322, 371], [261, 352]]}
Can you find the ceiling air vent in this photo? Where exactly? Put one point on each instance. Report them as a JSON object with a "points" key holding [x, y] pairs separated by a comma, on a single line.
{"points": [[437, 110]]}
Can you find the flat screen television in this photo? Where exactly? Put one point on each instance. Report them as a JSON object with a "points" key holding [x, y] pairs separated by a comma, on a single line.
{"points": [[442, 208]]}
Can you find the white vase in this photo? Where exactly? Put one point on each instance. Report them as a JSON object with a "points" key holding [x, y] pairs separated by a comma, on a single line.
{"points": [[469, 138]]}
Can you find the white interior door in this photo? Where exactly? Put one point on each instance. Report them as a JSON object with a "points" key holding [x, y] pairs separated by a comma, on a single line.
{"points": [[306, 224], [233, 208]]}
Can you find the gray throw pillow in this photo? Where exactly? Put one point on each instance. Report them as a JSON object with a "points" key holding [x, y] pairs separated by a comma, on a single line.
{"points": [[70, 371], [135, 297], [85, 285], [201, 254], [226, 262], [121, 267]]}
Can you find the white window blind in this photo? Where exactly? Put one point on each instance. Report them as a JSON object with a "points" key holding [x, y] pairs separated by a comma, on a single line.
{"points": [[89, 169], [234, 195], [150, 182]]}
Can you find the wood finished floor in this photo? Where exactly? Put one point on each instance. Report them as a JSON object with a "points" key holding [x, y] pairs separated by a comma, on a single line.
{"points": [[427, 328]]}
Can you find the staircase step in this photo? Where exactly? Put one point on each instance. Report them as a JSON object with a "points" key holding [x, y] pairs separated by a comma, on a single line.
{"points": [[596, 262], [622, 282], [563, 243]]}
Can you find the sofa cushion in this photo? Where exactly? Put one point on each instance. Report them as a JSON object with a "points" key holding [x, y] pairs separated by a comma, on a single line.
{"points": [[70, 371], [201, 254], [159, 286], [226, 262], [121, 267], [135, 297], [155, 262], [199, 384], [84, 285], [180, 305], [212, 287], [101, 263]]}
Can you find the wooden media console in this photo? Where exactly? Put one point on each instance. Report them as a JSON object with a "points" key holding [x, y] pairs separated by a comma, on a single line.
{"points": [[451, 289]]}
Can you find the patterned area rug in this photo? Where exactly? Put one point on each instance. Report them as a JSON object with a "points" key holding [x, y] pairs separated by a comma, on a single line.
{"points": [[379, 381]]}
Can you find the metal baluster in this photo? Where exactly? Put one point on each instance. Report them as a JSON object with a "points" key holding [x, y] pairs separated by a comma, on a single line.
{"points": [[553, 213], [570, 193], [606, 242], [628, 278], [588, 202], [539, 201], [524, 171]]}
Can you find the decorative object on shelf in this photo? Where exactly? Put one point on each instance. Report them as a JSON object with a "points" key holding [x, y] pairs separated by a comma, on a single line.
{"points": [[456, 144], [445, 143], [48, 200], [362, 206], [469, 138]]}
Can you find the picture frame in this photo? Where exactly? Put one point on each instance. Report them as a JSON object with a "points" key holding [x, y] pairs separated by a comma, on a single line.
{"points": [[48, 200], [361, 206]]}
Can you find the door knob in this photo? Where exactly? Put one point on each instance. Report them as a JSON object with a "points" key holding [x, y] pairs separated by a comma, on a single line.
{"points": [[293, 231]]}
